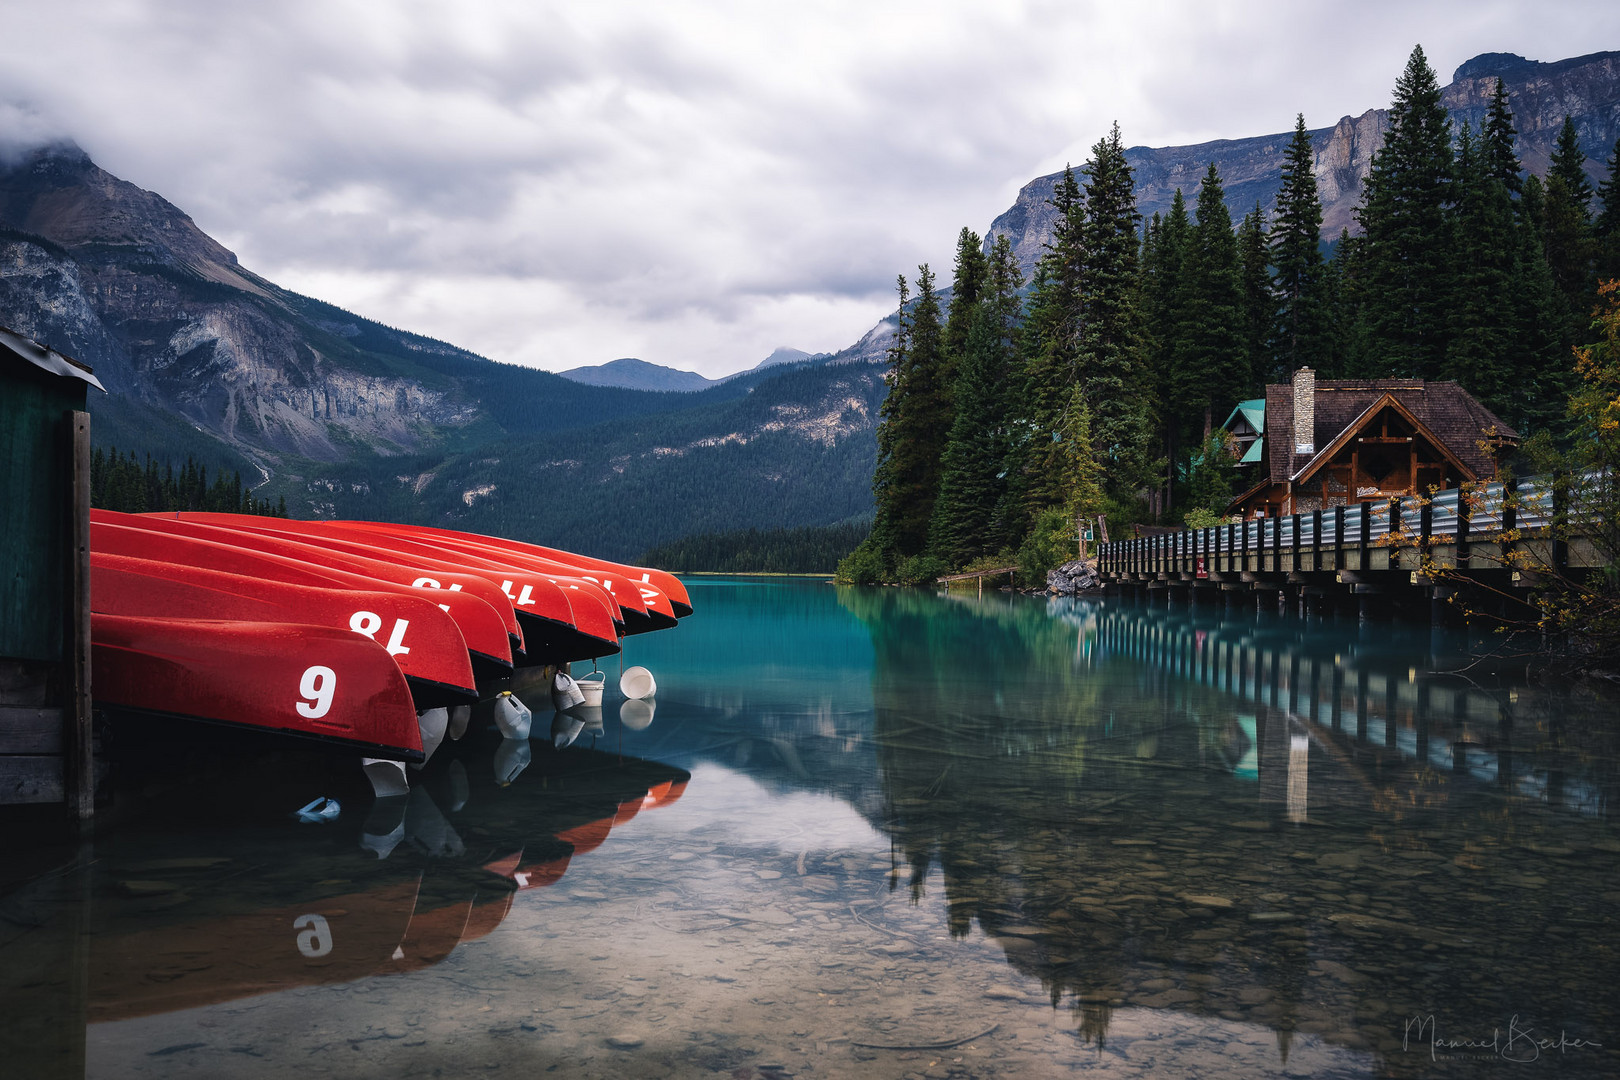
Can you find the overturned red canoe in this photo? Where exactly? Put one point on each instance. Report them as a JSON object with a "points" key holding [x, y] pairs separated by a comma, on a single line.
{"points": [[482, 627], [305, 683], [423, 639], [559, 624], [661, 580]]}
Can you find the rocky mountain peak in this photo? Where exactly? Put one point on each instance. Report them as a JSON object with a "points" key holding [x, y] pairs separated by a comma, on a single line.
{"points": [[57, 191], [1492, 64], [1587, 88]]}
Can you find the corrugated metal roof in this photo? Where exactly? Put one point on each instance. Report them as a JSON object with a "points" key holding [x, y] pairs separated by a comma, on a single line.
{"points": [[45, 358], [1253, 411]]}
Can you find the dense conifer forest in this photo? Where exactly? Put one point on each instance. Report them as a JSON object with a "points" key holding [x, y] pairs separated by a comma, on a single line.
{"points": [[1020, 411], [133, 486], [809, 550]]}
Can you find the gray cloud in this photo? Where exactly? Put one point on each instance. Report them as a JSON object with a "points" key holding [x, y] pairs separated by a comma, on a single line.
{"points": [[693, 183]]}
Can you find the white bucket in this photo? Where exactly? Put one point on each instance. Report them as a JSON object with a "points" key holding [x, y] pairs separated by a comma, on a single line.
{"points": [[565, 692], [592, 686], [637, 683]]}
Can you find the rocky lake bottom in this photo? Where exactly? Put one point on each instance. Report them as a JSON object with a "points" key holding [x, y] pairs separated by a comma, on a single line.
{"points": [[886, 833]]}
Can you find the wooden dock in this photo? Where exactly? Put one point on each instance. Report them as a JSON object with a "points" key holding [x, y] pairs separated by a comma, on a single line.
{"points": [[979, 576]]}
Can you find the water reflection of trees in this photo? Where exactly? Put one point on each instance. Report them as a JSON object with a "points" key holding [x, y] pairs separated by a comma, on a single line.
{"points": [[1073, 772]]}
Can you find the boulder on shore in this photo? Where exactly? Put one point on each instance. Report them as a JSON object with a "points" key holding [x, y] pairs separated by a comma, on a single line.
{"points": [[1072, 578]]}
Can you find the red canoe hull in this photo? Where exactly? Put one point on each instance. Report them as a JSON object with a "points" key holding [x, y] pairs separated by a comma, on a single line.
{"points": [[306, 683]]}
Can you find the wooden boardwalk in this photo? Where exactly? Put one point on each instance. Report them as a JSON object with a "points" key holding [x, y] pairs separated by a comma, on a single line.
{"points": [[1373, 552]]}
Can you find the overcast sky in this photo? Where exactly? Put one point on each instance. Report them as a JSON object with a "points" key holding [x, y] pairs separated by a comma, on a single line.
{"points": [[558, 184]]}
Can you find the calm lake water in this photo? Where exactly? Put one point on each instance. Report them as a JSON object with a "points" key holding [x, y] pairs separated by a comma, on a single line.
{"points": [[883, 833]]}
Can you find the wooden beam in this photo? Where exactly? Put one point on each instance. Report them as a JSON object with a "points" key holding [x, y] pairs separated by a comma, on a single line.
{"points": [[78, 764]]}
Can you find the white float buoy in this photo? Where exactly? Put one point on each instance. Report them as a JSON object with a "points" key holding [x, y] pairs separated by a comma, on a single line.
{"points": [[637, 683], [512, 717]]}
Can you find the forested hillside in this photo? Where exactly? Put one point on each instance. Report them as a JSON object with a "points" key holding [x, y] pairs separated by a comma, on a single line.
{"points": [[808, 550], [1014, 416], [797, 450]]}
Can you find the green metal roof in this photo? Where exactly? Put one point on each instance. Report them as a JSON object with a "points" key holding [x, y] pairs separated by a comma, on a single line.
{"points": [[1253, 411], [1254, 453]]}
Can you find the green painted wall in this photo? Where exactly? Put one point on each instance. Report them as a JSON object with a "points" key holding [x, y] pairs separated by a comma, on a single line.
{"points": [[36, 488]]}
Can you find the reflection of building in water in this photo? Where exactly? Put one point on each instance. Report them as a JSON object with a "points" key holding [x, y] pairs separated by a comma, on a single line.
{"points": [[1224, 819], [1299, 753], [1368, 702]]}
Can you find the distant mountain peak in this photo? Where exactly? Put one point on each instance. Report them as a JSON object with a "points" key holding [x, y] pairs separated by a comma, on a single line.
{"points": [[1491, 63], [633, 374]]}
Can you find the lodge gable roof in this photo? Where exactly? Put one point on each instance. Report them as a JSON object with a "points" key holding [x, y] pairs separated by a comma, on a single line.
{"points": [[1455, 418]]}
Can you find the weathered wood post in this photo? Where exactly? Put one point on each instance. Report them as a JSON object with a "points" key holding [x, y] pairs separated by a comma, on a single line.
{"points": [[78, 762]]}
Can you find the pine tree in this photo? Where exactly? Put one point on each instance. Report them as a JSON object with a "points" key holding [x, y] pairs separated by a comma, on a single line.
{"points": [[1052, 344], [1216, 366], [1568, 163], [1082, 474], [1606, 226], [1480, 350], [1566, 228], [963, 519], [968, 515], [1167, 292], [1407, 270], [1544, 323], [918, 431], [1296, 236], [1109, 359], [883, 541], [968, 280], [1499, 156], [1259, 303]]}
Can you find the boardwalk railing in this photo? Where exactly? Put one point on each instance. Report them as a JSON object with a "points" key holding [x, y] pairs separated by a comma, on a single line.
{"points": [[1456, 530]]}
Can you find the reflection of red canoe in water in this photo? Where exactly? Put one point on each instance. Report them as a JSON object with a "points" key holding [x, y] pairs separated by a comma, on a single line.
{"points": [[309, 683], [261, 924], [207, 960]]}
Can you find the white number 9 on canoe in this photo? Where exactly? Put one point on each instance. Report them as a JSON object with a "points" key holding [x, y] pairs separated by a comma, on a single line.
{"points": [[318, 686]]}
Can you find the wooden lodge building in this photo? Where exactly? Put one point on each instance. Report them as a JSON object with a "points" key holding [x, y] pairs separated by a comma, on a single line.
{"points": [[1338, 442]]}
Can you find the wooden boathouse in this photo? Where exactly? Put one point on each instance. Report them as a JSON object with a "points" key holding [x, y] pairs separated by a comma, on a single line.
{"points": [[45, 737]]}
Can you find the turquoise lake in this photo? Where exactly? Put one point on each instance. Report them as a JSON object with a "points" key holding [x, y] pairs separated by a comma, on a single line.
{"points": [[882, 833]]}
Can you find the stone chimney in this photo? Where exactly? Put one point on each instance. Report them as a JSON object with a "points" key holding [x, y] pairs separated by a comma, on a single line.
{"points": [[1305, 411]]}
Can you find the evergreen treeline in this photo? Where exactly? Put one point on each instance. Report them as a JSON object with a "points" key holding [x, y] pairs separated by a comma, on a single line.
{"points": [[808, 550], [132, 486], [1021, 412]]}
